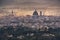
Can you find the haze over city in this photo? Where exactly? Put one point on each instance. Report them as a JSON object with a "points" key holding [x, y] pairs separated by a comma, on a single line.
{"points": [[26, 7], [29, 19]]}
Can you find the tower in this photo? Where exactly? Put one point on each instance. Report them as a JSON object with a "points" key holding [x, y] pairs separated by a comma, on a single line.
{"points": [[12, 13], [41, 13]]}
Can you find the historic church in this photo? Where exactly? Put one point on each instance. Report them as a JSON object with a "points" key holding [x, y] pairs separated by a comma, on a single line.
{"points": [[36, 15]]}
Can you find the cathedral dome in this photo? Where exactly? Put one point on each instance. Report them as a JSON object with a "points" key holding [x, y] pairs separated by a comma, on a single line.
{"points": [[35, 13]]}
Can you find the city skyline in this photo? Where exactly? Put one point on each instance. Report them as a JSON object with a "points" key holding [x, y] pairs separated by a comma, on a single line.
{"points": [[49, 7]]}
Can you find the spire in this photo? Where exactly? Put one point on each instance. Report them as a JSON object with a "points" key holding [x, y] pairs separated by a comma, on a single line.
{"points": [[12, 12]]}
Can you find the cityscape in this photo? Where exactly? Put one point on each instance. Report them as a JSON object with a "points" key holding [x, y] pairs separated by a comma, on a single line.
{"points": [[29, 19], [35, 27], [35, 21]]}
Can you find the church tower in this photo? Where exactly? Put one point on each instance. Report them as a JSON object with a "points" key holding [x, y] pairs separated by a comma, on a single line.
{"points": [[12, 13], [41, 14]]}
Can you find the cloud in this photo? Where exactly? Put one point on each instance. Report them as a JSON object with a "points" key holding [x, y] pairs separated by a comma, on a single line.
{"points": [[30, 2]]}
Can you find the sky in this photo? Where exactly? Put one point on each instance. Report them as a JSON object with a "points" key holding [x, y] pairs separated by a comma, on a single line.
{"points": [[49, 7]]}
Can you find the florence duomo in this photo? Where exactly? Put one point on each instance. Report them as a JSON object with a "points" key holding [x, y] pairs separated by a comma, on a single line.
{"points": [[36, 13], [29, 19]]}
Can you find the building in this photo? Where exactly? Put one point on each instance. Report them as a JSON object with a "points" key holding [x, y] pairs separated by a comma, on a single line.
{"points": [[35, 14], [41, 14]]}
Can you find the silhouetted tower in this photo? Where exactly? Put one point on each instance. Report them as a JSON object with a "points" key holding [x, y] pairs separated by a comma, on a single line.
{"points": [[12, 13], [41, 14]]}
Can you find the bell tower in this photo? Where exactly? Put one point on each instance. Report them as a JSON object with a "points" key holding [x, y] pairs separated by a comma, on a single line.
{"points": [[41, 14]]}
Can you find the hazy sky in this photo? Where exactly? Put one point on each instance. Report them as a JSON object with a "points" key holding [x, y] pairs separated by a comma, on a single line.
{"points": [[28, 4], [32, 3]]}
